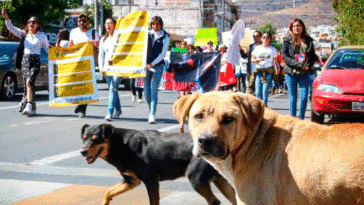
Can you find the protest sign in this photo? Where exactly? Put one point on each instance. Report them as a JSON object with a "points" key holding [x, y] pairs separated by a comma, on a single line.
{"points": [[72, 75], [237, 34], [130, 39], [204, 35], [192, 72]]}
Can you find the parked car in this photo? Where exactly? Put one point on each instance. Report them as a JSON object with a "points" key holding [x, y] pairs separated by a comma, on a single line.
{"points": [[339, 88], [10, 77]]}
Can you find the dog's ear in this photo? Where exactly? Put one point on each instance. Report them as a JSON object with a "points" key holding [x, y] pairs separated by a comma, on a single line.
{"points": [[107, 130], [181, 108], [83, 129], [252, 109]]}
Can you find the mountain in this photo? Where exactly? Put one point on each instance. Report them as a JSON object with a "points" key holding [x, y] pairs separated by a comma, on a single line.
{"points": [[280, 13]]}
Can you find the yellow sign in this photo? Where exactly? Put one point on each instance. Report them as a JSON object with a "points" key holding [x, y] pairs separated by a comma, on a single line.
{"points": [[130, 39], [72, 75], [70, 52], [204, 35]]}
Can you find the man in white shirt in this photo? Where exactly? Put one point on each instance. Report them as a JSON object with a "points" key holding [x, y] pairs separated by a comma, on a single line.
{"points": [[83, 34]]}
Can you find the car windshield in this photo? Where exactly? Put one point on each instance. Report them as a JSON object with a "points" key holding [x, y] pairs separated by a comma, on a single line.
{"points": [[347, 59]]}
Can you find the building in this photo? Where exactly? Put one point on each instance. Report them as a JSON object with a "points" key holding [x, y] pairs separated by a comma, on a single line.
{"points": [[182, 17]]}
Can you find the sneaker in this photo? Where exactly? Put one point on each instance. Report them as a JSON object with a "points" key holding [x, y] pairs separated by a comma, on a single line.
{"points": [[116, 114], [77, 109], [133, 98], [81, 115], [28, 110], [21, 106], [108, 117], [151, 119], [140, 100]]}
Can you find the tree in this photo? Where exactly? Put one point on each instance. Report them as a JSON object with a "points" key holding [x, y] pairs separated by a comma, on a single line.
{"points": [[46, 10], [90, 11], [350, 21], [268, 27]]}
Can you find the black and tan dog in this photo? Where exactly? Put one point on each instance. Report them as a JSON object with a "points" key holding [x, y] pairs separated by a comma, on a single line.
{"points": [[150, 157]]}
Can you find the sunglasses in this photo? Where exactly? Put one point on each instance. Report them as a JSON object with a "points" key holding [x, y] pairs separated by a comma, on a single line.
{"points": [[82, 21], [32, 22]]}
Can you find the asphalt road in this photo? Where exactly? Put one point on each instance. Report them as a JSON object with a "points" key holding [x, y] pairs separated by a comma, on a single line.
{"points": [[40, 161]]}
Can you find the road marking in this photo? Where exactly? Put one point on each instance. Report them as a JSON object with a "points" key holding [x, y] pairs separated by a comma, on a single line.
{"points": [[46, 103], [169, 128], [55, 158], [74, 171], [41, 122], [68, 155]]}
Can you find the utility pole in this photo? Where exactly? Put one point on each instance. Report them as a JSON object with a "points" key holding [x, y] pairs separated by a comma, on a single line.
{"points": [[101, 27], [95, 17], [223, 16]]}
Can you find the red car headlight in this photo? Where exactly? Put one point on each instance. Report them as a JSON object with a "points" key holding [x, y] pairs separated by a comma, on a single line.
{"points": [[329, 88]]}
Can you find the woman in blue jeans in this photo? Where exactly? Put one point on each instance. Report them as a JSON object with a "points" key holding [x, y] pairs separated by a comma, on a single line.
{"points": [[112, 81], [298, 53], [265, 57], [158, 41]]}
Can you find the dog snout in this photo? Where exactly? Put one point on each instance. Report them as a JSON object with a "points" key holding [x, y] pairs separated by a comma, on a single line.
{"points": [[84, 152], [205, 141]]}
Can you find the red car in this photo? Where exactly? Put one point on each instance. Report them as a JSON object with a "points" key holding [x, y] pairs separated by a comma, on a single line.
{"points": [[339, 88]]}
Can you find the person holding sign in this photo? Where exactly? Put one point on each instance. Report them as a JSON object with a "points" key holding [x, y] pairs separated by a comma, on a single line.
{"points": [[83, 34], [33, 41], [158, 41], [113, 82]]}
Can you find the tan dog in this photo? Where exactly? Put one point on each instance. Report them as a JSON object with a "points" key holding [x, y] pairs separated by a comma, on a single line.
{"points": [[271, 158]]}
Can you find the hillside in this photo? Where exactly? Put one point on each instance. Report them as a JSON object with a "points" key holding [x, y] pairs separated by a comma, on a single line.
{"points": [[313, 13]]}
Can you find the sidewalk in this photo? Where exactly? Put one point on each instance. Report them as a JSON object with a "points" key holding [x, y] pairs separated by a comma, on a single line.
{"points": [[19, 192]]}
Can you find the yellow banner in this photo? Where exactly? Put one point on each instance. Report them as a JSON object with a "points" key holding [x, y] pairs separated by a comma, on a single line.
{"points": [[129, 60], [126, 48], [72, 75], [82, 49], [135, 19], [73, 78], [73, 89], [132, 37], [130, 46], [71, 67]]}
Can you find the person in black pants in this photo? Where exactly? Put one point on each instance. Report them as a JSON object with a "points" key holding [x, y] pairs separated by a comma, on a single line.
{"points": [[134, 90], [83, 34]]}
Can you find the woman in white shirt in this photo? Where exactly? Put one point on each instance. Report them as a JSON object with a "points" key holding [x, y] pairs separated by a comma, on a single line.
{"points": [[113, 82], [34, 40], [265, 57]]}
